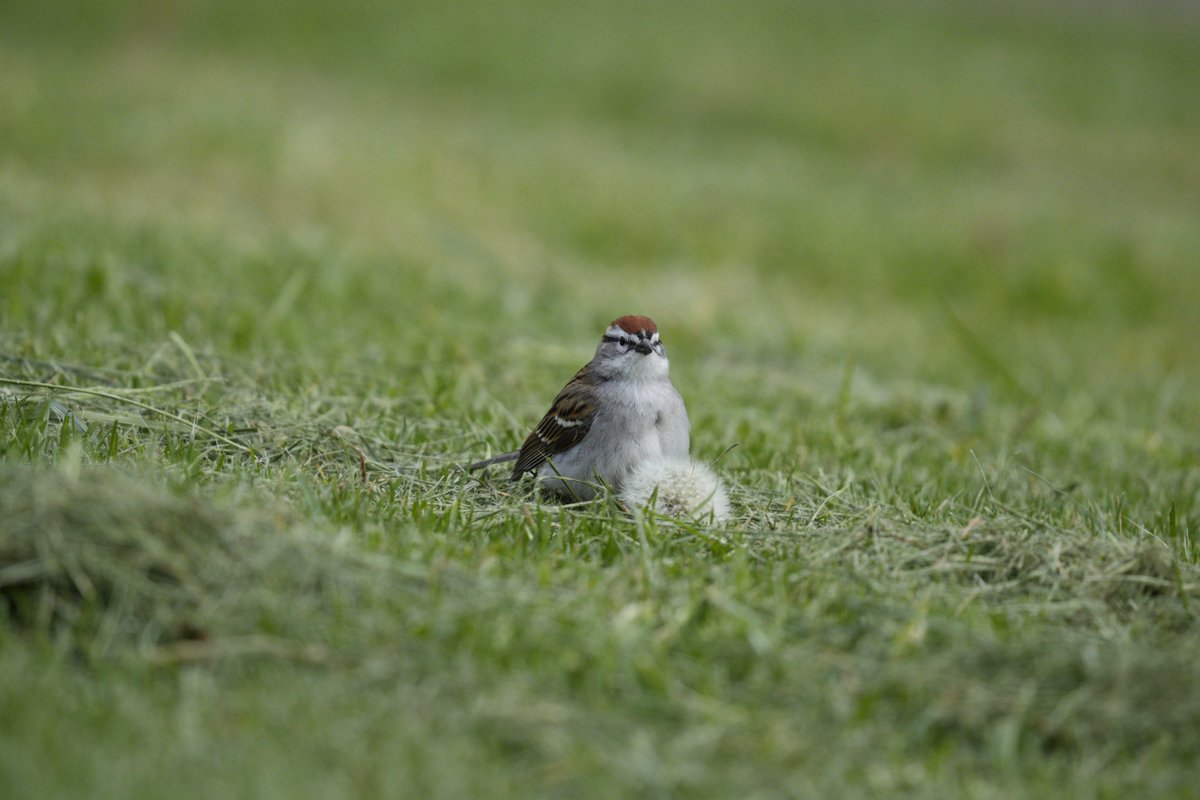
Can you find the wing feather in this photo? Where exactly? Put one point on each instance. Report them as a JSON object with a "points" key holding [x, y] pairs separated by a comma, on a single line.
{"points": [[564, 426]]}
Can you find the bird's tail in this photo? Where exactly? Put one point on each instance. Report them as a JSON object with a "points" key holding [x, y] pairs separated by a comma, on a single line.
{"points": [[500, 459]]}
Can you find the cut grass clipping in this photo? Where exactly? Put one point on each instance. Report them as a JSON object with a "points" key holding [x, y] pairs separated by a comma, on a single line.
{"points": [[108, 561]]}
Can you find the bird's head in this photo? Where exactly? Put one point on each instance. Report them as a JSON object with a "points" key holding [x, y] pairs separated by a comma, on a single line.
{"points": [[631, 348]]}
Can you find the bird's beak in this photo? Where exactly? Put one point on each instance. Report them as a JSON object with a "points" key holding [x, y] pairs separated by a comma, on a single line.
{"points": [[643, 348]]}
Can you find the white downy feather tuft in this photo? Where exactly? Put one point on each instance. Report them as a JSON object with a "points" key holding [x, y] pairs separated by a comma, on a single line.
{"points": [[686, 489]]}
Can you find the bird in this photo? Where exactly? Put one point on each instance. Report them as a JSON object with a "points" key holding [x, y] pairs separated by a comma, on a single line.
{"points": [[618, 411]]}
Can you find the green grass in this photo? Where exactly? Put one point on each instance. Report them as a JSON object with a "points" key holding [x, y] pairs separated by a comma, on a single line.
{"points": [[268, 274]]}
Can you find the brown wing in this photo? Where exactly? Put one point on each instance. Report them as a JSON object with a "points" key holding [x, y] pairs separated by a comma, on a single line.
{"points": [[564, 426]]}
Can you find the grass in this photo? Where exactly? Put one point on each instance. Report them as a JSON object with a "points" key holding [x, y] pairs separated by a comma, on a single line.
{"points": [[269, 274]]}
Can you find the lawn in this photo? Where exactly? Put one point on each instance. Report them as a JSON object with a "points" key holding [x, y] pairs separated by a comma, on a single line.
{"points": [[270, 273]]}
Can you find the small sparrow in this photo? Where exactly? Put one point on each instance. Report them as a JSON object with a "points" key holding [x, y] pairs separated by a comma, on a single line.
{"points": [[617, 412]]}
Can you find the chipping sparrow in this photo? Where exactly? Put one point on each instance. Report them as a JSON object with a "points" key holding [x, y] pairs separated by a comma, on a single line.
{"points": [[618, 411]]}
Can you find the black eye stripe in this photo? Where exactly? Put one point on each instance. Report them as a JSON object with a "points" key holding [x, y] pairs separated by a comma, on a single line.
{"points": [[655, 342]]}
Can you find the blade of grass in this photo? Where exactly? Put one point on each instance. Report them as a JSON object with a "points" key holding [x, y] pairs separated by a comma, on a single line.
{"points": [[129, 401]]}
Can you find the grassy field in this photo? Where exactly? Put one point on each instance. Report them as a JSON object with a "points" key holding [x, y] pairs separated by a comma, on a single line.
{"points": [[270, 272]]}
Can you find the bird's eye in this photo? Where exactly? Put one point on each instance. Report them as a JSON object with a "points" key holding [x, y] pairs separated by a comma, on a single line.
{"points": [[624, 345]]}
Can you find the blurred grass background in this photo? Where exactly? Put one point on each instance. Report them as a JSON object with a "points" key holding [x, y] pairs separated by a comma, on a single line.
{"points": [[923, 262], [827, 173]]}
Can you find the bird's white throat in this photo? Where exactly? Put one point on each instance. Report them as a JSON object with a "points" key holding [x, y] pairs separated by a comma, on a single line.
{"points": [[648, 368]]}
